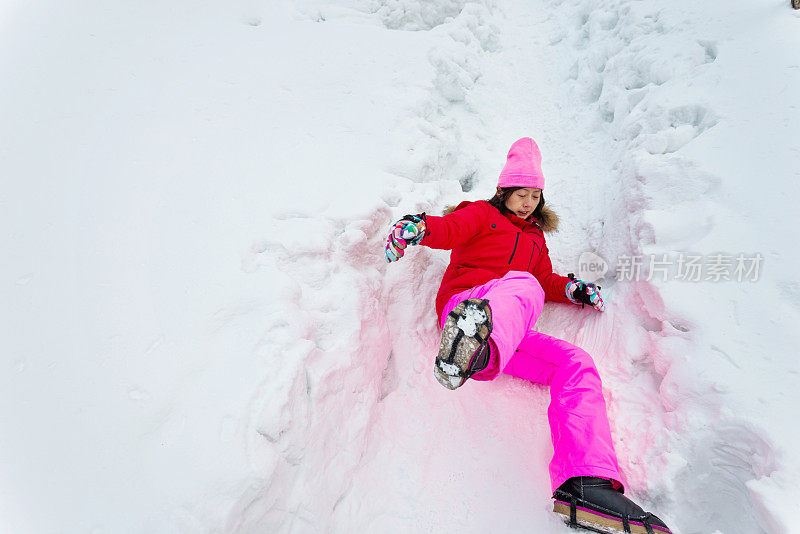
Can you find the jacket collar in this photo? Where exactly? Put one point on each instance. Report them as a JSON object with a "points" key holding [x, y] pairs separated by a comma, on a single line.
{"points": [[525, 226]]}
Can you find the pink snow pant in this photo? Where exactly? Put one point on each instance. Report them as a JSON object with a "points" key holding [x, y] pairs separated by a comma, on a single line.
{"points": [[578, 422]]}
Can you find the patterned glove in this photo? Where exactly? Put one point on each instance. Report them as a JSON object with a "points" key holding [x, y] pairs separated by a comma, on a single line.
{"points": [[407, 231], [580, 292]]}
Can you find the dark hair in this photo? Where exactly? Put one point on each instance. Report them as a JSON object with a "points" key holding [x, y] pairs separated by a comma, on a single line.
{"points": [[499, 202]]}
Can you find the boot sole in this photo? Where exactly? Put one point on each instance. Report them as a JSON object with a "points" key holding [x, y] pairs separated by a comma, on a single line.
{"points": [[597, 522], [465, 327]]}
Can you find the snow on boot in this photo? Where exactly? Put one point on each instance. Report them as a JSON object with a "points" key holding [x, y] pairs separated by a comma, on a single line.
{"points": [[464, 349], [594, 504]]}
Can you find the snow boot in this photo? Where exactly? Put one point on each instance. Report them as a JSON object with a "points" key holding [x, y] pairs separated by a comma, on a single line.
{"points": [[464, 349], [594, 504]]}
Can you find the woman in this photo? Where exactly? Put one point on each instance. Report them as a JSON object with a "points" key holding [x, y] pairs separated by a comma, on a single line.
{"points": [[490, 297]]}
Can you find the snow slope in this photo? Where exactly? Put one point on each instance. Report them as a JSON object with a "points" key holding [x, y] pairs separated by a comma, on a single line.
{"points": [[199, 331]]}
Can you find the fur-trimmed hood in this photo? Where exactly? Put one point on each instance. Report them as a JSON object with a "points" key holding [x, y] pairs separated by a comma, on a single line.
{"points": [[548, 223]]}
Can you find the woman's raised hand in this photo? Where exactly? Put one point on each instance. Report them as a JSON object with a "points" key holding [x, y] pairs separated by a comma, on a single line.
{"points": [[580, 292], [407, 231]]}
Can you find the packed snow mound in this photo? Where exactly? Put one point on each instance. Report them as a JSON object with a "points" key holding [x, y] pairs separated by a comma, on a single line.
{"points": [[201, 332]]}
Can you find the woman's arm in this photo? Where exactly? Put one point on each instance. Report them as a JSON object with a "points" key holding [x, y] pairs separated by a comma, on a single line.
{"points": [[456, 228]]}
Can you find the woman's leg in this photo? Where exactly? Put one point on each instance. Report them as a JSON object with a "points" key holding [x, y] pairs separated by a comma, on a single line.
{"points": [[578, 421], [516, 301]]}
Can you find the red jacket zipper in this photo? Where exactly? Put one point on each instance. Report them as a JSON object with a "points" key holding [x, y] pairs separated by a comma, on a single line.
{"points": [[515, 249]]}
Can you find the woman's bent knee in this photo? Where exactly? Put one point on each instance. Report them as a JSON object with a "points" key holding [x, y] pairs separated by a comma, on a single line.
{"points": [[528, 285]]}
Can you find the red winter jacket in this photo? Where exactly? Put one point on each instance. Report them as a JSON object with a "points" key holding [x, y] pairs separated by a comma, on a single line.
{"points": [[486, 245]]}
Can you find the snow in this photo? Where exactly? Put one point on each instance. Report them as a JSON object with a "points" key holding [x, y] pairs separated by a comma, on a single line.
{"points": [[469, 320], [452, 371], [199, 330]]}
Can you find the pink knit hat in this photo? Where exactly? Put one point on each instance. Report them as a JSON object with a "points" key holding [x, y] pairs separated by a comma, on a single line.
{"points": [[523, 166]]}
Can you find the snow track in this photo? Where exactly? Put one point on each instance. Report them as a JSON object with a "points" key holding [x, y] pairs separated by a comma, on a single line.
{"points": [[592, 85]]}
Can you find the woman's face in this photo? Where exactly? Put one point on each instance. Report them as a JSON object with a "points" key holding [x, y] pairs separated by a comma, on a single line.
{"points": [[523, 201]]}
